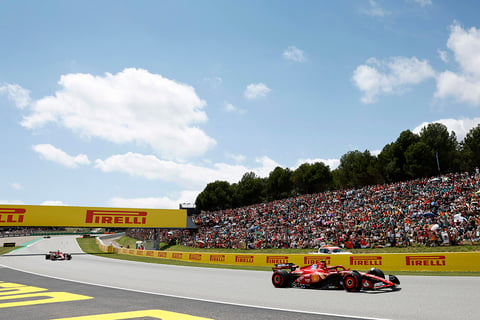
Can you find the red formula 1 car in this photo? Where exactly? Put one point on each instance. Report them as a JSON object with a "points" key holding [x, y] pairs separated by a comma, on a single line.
{"points": [[322, 276], [58, 255]]}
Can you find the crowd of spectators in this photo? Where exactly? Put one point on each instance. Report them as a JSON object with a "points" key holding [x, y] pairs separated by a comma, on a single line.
{"points": [[432, 211], [25, 231]]}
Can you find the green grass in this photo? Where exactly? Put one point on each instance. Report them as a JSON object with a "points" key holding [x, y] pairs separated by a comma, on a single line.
{"points": [[90, 246], [4, 250]]}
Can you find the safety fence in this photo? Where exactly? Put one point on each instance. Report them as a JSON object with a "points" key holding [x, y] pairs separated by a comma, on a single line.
{"points": [[445, 261]]}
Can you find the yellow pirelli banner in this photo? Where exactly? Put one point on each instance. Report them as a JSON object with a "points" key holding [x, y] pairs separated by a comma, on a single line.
{"points": [[65, 216], [455, 261]]}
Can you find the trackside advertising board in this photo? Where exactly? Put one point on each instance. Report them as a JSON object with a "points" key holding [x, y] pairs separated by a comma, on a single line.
{"points": [[455, 261], [64, 216]]}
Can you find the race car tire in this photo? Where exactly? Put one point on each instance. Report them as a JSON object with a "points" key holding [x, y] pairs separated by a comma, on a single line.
{"points": [[281, 279], [47, 257], [377, 272], [352, 282], [69, 257]]}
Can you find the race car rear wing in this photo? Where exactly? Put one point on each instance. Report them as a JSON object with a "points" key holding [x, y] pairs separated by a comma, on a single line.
{"points": [[281, 266]]}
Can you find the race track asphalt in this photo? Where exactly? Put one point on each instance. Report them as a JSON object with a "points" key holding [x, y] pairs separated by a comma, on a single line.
{"points": [[121, 286]]}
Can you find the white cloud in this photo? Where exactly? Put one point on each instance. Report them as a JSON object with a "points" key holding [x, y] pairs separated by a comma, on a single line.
{"points": [[332, 163], [464, 85], [153, 202], [11, 202], [132, 106], [375, 10], [424, 3], [17, 94], [443, 55], [235, 157], [257, 90], [294, 54], [391, 76], [213, 82], [51, 153], [53, 203], [460, 127], [231, 108], [17, 186], [186, 174]]}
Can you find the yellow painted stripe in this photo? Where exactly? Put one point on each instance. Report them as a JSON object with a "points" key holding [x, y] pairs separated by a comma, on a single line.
{"points": [[155, 314], [39, 298]]}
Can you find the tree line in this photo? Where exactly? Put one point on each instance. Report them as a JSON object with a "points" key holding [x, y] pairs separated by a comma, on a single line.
{"points": [[432, 152]]}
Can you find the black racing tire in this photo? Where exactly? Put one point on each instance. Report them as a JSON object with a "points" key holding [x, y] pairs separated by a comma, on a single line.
{"points": [[47, 257], [69, 257], [352, 282], [377, 272], [281, 279]]}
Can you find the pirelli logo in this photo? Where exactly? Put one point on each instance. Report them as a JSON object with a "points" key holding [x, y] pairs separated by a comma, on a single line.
{"points": [[131, 251], [426, 260], [161, 254], [316, 259], [366, 261], [177, 255], [12, 215], [244, 259], [195, 256], [277, 259], [149, 253], [139, 252], [217, 257], [116, 217]]}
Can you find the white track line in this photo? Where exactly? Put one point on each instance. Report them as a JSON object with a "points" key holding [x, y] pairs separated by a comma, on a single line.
{"points": [[198, 299]]}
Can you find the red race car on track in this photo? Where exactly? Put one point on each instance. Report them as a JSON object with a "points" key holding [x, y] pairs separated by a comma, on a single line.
{"points": [[322, 276], [58, 255]]}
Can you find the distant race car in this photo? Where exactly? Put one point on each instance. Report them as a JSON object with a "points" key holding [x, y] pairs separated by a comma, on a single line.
{"points": [[322, 276], [58, 255]]}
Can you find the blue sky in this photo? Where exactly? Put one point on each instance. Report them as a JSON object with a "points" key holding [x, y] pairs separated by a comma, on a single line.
{"points": [[142, 103]]}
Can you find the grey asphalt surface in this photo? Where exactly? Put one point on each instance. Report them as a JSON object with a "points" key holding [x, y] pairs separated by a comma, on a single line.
{"points": [[226, 290]]}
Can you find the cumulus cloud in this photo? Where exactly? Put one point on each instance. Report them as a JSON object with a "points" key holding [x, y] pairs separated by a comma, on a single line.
{"points": [[235, 157], [17, 94], [132, 106], [294, 54], [17, 186], [375, 10], [257, 90], [391, 76], [11, 202], [460, 126], [51, 153], [231, 108], [155, 202], [332, 163], [423, 3], [464, 85], [53, 203], [443, 55], [186, 174]]}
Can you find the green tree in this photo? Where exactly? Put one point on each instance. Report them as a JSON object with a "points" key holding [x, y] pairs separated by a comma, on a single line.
{"points": [[420, 160], [250, 189], [217, 195], [357, 169], [391, 161], [279, 184], [312, 178], [470, 149], [444, 148]]}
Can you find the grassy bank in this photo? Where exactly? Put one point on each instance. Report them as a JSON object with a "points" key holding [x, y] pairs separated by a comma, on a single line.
{"points": [[90, 246]]}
